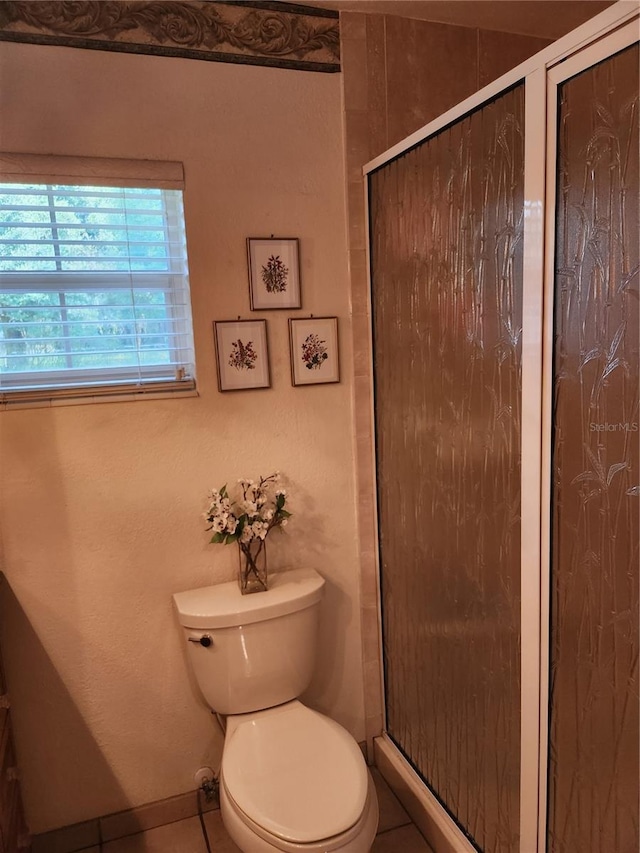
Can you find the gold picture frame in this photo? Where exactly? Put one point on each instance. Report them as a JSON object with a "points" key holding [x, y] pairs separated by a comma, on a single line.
{"points": [[242, 354], [274, 273], [313, 344]]}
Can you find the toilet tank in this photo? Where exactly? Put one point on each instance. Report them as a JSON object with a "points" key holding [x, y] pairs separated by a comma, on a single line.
{"points": [[263, 645]]}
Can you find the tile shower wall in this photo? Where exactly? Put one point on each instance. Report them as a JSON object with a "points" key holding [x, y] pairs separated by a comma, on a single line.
{"points": [[593, 774], [446, 262]]}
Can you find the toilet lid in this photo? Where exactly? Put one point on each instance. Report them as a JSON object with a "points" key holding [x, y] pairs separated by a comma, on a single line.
{"points": [[296, 773]]}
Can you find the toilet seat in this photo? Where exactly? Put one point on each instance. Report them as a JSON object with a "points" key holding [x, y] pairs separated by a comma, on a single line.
{"points": [[294, 774], [253, 838]]}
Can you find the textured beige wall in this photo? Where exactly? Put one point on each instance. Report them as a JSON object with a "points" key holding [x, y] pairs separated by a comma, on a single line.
{"points": [[100, 504]]}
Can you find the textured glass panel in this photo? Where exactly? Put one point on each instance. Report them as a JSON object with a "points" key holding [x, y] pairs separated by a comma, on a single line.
{"points": [[446, 222], [593, 790]]}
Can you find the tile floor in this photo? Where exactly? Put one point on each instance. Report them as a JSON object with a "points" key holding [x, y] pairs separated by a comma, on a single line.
{"points": [[396, 833]]}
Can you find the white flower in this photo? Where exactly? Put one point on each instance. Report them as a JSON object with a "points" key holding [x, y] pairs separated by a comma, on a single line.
{"points": [[284, 522], [254, 505], [259, 529]]}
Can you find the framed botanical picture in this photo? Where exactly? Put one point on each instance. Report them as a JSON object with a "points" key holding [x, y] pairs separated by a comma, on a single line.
{"points": [[314, 350], [274, 273], [242, 354]]}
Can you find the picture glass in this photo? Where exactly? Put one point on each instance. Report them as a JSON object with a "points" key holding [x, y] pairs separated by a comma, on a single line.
{"points": [[314, 350], [243, 360], [274, 273]]}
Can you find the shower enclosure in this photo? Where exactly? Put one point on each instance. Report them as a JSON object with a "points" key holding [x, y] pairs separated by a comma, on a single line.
{"points": [[505, 319]]}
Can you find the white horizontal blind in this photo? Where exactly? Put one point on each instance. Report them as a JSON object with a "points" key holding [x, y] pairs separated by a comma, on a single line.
{"points": [[94, 290]]}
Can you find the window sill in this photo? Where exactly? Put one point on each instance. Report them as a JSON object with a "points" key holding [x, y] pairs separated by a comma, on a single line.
{"points": [[91, 399]]}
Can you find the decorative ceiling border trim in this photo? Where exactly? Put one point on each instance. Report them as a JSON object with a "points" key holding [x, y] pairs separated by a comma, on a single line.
{"points": [[281, 35]]}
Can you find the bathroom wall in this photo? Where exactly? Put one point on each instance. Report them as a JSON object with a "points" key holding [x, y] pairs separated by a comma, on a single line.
{"points": [[399, 74], [100, 505]]}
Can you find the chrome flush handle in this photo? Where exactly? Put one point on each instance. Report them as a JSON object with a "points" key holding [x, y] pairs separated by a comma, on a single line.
{"points": [[205, 640]]}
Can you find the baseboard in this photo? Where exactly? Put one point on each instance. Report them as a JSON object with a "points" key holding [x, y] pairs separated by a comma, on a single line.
{"points": [[91, 833]]}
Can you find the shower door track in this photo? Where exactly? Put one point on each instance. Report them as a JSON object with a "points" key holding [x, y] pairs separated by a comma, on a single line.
{"points": [[606, 34]]}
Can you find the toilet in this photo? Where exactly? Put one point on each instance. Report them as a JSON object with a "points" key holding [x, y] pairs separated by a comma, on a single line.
{"points": [[291, 779]]}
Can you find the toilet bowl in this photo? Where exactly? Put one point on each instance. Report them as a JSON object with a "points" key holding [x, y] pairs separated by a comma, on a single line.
{"points": [[294, 780], [291, 779]]}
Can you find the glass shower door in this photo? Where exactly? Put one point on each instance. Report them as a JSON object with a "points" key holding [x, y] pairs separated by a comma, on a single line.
{"points": [[593, 755], [446, 254]]}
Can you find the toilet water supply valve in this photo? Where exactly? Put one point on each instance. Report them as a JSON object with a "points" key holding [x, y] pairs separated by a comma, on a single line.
{"points": [[207, 783], [205, 640]]}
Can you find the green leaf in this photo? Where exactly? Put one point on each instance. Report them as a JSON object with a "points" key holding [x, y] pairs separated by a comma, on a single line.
{"points": [[280, 499], [231, 537], [217, 538], [223, 491], [284, 514]]}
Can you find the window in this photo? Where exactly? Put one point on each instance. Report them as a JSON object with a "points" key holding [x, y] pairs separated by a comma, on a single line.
{"points": [[94, 293]]}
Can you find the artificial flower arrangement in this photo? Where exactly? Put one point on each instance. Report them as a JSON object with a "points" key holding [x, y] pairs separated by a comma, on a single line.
{"points": [[248, 519]]}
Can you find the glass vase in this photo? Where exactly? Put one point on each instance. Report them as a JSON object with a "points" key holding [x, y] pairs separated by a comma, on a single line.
{"points": [[252, 566]]}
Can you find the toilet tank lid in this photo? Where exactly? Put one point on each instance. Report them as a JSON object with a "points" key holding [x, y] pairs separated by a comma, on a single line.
{"points": [[224, 606]]}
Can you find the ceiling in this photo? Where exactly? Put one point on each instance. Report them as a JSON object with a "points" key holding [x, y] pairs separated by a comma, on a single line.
{"points": [[543, 18]]}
